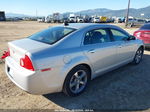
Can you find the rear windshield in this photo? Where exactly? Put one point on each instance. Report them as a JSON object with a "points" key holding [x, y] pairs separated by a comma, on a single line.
{"points": [[145, 27], [52, 35]]}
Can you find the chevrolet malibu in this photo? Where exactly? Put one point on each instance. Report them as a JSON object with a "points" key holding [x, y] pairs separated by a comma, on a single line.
{"points": [[66, 57]]}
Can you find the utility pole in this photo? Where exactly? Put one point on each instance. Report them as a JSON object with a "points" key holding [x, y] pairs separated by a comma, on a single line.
{"points": [[36, 13], [127, 16]]}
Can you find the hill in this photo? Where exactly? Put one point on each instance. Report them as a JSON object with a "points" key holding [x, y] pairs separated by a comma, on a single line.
{"points": [[118, 13], [101, 12]]}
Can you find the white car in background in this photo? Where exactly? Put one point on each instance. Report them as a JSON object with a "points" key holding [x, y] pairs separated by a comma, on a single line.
{"points": [[136, 22], [96, 20], [80, 20]]}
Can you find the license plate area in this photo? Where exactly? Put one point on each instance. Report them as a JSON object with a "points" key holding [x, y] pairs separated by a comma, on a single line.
{"points": [[8, 68], [9, 71]]}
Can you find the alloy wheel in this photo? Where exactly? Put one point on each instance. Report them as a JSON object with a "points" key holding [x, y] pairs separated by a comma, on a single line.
{"points": [[138, 56], [78, 81]]}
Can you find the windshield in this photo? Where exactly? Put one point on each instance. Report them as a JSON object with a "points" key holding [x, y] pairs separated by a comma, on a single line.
{"points": [[51, 35], [72, 17]]}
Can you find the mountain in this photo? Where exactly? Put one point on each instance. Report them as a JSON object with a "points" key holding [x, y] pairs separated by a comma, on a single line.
{"points": [[101, 12], [94, 11], [118, 13], [16, 15]]}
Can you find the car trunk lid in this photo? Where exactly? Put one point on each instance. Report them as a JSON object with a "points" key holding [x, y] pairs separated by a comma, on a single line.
{"points": [[19, 48]]}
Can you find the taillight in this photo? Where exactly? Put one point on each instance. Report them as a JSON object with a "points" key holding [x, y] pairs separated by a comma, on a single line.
{"points": [[26, 63], [137, 34], [146, 34]]}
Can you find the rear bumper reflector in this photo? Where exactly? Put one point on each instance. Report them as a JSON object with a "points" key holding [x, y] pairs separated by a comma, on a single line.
{"points": [[47, 69]]}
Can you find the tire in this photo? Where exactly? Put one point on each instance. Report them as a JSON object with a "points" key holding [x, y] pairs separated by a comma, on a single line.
{"points": [[138, 56], [76, 81], [131, 25]]}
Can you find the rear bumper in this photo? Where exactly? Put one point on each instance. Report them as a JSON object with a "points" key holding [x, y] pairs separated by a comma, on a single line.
{"points": [[34, 82]]}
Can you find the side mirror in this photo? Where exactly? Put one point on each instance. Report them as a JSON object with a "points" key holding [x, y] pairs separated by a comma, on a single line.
{"points": [[131, 37]]}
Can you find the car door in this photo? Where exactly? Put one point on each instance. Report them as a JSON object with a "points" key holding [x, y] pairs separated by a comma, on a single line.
{"points": [[99, 49], [125, 47]]}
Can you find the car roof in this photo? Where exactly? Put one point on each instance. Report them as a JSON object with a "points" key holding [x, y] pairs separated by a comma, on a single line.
{"points": [[79, 26], [83, 25]]}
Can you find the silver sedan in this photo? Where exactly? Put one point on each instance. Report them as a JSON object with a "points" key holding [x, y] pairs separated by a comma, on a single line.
{"points": [[66, 57]]}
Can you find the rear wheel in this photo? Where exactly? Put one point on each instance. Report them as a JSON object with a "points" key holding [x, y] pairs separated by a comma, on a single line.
{"points": [[138, 56], [76, 81]]}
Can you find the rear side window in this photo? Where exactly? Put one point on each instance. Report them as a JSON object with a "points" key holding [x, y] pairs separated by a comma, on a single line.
{"points": [[96, 36], [145, 27], [52, 35], [118, 35]]}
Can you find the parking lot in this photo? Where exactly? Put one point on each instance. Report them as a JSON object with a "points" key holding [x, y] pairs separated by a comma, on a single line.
{"points": [[127, 88]]}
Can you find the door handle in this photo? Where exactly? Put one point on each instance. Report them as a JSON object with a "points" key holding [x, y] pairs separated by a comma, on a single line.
{"points": [[92, 51]]}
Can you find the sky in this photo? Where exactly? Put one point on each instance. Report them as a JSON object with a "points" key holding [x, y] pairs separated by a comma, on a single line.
{"points": [[46, 7]]}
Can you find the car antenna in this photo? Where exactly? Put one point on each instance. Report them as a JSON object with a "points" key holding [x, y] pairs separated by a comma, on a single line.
{"points": [[66, 23]]}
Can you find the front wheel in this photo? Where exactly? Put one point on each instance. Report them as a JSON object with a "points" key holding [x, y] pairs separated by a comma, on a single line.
{"points": [[138, 56], [76, 81]]}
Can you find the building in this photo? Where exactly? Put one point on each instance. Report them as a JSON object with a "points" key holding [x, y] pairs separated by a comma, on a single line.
{"points": [[2, 16]]}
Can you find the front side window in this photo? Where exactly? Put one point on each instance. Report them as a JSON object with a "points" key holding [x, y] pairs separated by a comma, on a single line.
{"points": [[118, 35], [96, 36], [52, 35]]}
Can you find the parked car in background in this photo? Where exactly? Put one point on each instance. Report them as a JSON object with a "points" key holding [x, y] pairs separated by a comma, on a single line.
{"points": [[131, 21], [57, 17], [110, 20], [147, 20], [139, 22], [87, 19], [49, 19], [41, 19], [80, 20], [66, 58], [14, 19], [65, 19], [103, 19], [72, 18], [144, 34], [136, 22], [96, 20], [118, 20]]}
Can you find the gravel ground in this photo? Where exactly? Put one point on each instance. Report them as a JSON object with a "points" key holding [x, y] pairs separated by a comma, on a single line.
{"points": [[127, 88]]}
